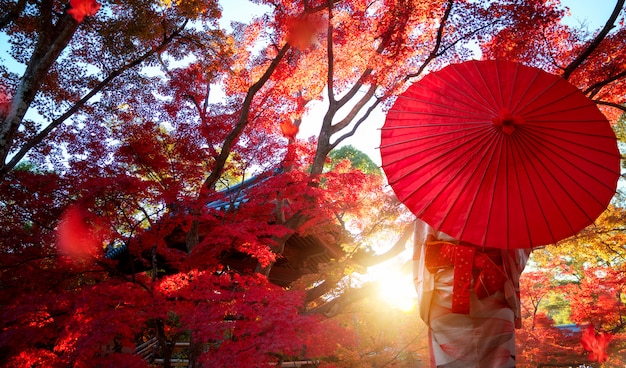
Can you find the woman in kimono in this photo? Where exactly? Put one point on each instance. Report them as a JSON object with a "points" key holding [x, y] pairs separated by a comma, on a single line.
{"points": [[469, 298]]}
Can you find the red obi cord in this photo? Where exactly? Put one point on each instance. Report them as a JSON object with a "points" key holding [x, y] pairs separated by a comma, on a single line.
{"points": [[470, 263]]}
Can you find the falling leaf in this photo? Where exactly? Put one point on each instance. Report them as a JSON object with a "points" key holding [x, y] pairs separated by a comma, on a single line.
{"points": [[302, 32], [83, 8], [5, 102], [289, 129], [79, 233], [596, 344]]}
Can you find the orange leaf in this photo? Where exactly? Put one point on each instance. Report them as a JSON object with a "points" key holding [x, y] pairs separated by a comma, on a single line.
{"points": [[83, 8], [289, 130], [302, 33]]}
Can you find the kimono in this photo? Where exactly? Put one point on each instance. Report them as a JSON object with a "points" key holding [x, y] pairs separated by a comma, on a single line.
{"points": [[469, 298]]}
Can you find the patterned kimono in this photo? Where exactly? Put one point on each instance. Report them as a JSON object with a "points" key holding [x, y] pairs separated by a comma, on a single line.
{"points": [[469, 298]]}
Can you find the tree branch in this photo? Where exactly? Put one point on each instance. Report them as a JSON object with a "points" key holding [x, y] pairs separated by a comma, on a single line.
{"points": [[438, 40], [331, 57], [355, 110], [596, 41], [612, 104], [80, 103], [243, 121], [595, 88], [49, 46], [12, 14], [365, 259], [336, 305], [358, 123]]}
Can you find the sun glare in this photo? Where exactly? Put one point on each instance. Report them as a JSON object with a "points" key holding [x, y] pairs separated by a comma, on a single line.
{"points": [[395, 287]]}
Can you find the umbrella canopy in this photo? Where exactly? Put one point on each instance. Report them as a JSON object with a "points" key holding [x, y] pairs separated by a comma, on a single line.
{"points": [[499, 154]]}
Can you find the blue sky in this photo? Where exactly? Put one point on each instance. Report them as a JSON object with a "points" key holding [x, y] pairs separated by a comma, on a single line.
{"points": [[596, 12]]}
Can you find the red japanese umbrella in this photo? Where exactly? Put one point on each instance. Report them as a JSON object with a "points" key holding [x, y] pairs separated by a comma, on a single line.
{"points": [[500, 154]]}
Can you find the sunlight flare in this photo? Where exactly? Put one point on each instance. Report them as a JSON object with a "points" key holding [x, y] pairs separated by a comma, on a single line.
{"points": [[395, 287]]}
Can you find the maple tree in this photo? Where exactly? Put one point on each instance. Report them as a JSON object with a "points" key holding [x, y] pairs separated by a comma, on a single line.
{"points": [[112, 141], [586, 272]]}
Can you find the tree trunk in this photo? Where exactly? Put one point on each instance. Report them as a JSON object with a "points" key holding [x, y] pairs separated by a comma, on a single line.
{"points": [[49, 47]]}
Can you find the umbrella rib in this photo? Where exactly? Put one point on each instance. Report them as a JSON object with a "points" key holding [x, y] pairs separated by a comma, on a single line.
{"points": [[493, 193], [524, 153], [506, 196], [560, 130], [477, 103], [569, 107], [499, 83], [482, 181], [430, 113], [518, 108], [415, 138], [514, 79], [397, 127], [441, 169], [471, 85], [465, 164], [556, 80], [471, 136], [557, 148], [478, 106], [540, 136], [533, 146], [518, 153], [474, 171], [494, 101], [568, 122]]}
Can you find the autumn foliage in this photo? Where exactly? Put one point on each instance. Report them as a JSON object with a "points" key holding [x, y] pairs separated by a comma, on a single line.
{"points": [[573, 301], [154, 171]]}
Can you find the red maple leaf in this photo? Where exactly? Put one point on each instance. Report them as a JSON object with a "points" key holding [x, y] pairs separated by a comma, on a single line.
{"points": [[83, 8], [80, 234], [596, 344]]}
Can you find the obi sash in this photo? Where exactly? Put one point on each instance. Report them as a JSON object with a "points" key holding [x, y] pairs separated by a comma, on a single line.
{"points": [[471, 263]]}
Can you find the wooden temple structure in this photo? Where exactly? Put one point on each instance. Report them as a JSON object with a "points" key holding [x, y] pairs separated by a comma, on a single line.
{"points": [[302, 255]]}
